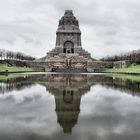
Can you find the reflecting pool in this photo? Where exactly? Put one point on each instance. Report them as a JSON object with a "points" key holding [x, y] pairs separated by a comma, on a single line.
{"points": [[69, 107]]}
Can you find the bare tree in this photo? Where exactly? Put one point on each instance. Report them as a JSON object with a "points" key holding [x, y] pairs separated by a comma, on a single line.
{"points": [[133, 56], [5, 54]]}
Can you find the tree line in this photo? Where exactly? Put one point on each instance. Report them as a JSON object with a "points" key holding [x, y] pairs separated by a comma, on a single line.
{"points": [[133, 56], [6, 54]]}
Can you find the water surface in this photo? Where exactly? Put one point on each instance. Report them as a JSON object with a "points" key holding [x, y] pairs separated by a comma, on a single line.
{"points": [[69, 106]]}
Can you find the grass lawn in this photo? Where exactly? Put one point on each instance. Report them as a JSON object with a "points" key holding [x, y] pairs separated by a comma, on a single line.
{"points": [[133, 69], [4, 67], [9, 76], [133, 78]]}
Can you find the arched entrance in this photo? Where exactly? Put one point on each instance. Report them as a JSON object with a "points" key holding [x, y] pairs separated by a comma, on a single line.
{"points": [[68, 96], [68, 47]]}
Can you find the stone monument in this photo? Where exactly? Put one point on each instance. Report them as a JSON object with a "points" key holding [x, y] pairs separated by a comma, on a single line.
{"points": [[68, 54]]}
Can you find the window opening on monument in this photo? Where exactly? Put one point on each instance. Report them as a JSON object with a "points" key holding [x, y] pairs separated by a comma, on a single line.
{"points": [[68, 96], [68, 47], [68, 51]]}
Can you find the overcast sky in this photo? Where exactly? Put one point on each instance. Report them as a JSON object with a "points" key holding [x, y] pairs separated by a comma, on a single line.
{"points": [[108, 26]]}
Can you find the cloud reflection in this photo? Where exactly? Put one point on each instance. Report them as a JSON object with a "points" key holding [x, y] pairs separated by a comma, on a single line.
{"points": [[101, 112]]}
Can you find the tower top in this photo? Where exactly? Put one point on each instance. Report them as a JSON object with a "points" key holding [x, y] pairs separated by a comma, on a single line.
{"points": [[68, 19], [68, 12]]}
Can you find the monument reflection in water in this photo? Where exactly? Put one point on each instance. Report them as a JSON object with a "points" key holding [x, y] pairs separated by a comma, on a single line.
{"points": [[67, 90]]}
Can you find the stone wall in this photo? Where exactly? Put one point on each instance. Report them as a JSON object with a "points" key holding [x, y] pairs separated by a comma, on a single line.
{"points": [[90, 66], [121, 64], [96, 65], [26, 63]]}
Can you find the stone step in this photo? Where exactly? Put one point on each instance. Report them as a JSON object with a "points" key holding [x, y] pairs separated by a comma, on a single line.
{"points": [[69, 70]]}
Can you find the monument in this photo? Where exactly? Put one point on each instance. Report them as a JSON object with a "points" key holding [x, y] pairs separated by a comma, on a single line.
{"points": [[68, 54]]}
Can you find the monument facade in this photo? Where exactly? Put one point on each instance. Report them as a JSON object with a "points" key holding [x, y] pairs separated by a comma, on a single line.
{"points": [[68, 54]]}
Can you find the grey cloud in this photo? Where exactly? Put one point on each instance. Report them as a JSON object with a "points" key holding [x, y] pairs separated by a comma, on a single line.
{"points": [[104, 24]]}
